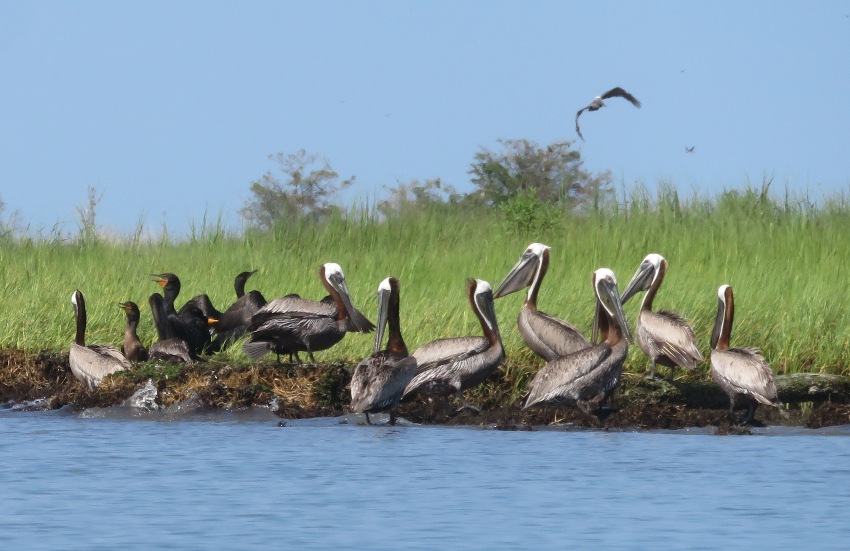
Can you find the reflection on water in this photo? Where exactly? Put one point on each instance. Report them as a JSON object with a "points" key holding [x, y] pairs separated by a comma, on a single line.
{"points": [[110, 479]]}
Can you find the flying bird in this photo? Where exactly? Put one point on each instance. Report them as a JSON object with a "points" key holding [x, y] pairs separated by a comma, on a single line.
{"points": [[689, 149], [597, 103]]}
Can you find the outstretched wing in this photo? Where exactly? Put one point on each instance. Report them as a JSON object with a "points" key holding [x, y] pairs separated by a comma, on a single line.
{"points": [[578, 130], [620, 93]]}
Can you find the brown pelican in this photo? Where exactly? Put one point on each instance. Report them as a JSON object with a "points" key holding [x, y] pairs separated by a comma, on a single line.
{"points": [[90, 364], [586, 378], [190, 324], [456, 364], [545, 335], [663, 336], [133, 349], [291, 324], [742, 373], [167, 348], [597, 103], [379, 381]]}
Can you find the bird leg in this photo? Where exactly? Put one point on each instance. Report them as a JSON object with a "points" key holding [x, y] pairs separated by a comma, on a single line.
{"points": [[651, 375], [392, 416], [751, 414], [368, 421], [670, 375]]}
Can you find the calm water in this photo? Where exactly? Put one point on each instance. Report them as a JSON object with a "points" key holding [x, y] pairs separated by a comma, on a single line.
{"points": [[111, 479]]}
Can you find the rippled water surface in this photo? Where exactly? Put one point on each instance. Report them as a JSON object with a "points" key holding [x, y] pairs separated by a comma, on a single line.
{"points": [[114, 480]]}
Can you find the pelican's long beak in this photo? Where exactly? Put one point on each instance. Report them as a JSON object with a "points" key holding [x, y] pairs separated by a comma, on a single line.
{"points": [[339, 285], [484, 303], [609, 297], [721, 316], [520, 276], [640, 281], [383, 312]]}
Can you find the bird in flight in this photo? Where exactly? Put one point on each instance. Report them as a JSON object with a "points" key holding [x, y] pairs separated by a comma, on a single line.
{"points": [[597, 103], [689, 149]]}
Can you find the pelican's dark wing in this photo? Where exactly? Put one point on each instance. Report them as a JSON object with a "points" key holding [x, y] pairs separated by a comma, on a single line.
{"points": [[619, 92]]}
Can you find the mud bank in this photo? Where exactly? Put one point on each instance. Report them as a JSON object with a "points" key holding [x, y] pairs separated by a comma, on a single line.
{"points": [[322, 390]]}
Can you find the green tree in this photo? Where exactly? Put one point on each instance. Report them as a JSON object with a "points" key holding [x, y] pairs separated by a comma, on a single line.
{"points": [[415, 195], [307, 190], [553, 173]]}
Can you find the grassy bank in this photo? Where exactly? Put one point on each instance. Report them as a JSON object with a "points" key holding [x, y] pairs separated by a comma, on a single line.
{"points": [[785, 259]]}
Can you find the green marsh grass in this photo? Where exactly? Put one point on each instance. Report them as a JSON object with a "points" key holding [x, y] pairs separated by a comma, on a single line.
{"points": [[785, 260]]}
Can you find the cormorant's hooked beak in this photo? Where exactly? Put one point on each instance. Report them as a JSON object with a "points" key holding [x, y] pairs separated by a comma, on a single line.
{"points": [[158, 278]]}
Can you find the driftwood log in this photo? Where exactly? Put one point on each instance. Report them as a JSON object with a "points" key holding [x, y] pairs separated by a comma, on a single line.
{"points": [[793, 389]]}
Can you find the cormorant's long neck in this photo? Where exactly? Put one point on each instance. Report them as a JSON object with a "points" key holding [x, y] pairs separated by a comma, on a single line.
{"points": [[130, 329], [163, 329], [395, 342], [80, 337], [531, 301], [170, 294], [239, 285]]}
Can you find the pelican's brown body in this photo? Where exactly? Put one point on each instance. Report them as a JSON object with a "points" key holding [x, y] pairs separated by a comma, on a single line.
{"points": [[292, 325], [547, 336], [664, 336], [742, 373], [90, 364], [587, 377], [379, 381], [455, 364]]}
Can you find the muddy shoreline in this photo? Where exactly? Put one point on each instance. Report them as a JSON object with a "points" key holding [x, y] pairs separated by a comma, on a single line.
{"points": [[298, 392]]}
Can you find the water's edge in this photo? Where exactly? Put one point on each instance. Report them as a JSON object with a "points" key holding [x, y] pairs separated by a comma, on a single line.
{"points": [[44, 382]]}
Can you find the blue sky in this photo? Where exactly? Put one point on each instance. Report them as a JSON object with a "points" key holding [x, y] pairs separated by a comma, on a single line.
{"points": [[170, 109]]}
